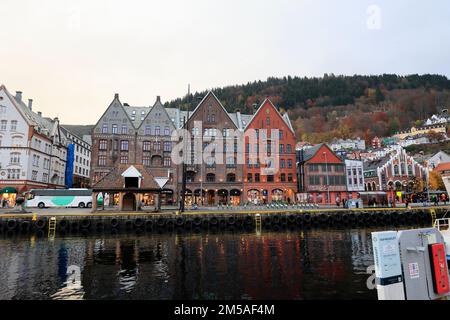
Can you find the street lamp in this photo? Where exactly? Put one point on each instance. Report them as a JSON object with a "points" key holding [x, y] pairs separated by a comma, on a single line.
{"points": [[328, 180]]}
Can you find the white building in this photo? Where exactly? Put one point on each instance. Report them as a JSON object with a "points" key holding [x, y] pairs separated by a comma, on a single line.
{"points": [[437, 159], [348, 144], [81, 160], [355, 175], [32, 149]]}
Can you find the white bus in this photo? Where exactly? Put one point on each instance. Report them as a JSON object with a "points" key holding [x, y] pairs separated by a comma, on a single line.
{"points": [[51, 198]]}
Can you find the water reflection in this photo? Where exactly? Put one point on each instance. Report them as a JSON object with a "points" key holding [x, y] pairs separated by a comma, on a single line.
{"points": [[314, 264]]}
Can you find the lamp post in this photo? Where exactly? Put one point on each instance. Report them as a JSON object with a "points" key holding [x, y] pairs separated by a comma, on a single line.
{"points": [[328, 180]]}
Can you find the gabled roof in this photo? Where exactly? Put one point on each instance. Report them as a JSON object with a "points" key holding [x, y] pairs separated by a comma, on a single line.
{"points": [[158, 104], [115, 180], [284, 117], [45, 126], [443, 167], [115, 100], [210, 93], [311, 152]]}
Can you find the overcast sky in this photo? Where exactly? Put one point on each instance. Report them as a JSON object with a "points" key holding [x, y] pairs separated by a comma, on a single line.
{"points": [[71, 56]]}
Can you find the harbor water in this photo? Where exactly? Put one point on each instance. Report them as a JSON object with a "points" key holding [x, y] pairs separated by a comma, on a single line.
{"points": [[287, 264]]}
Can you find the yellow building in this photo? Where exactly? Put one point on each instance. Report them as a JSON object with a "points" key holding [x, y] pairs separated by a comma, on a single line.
{"points": [[437, 128]]}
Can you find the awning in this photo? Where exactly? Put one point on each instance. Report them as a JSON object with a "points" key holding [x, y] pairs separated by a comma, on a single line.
{"points": [[8, 190]]}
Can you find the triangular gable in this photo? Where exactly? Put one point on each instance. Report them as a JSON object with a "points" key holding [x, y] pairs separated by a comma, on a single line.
{"points": [[319, 158], [131, 172], [210, 93], [13, 101], [157, 107], [261, 107], [115, 104]]}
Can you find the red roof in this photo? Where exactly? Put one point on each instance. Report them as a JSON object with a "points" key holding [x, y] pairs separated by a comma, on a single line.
{"points": [[443, 167]]}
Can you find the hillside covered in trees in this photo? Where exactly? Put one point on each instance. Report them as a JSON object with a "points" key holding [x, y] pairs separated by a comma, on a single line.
{"points": [[340, 106]]}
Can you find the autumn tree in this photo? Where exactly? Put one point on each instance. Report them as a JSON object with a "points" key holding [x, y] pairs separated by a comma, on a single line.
{"points": [[436, 182]]}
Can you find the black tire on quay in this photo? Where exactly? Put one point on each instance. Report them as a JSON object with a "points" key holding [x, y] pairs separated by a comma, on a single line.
{"points": [[179, 222], [40, 224], [170, 223], [63, 224], [197, 222], [299, 219], [99, 225], [231, 221], [267, 221], [276, 219], [307, 218], [138, 222], [149, 224], [114, 223], [213, 221], [291, 219], [25, 225], [85, 224], [74, 226], [11, 224], [129, 224], [249, 220], [161, 222]]}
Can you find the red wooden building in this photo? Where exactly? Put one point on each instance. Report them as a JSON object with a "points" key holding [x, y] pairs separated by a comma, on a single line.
{"points": [[322, 175], [269, 142]]}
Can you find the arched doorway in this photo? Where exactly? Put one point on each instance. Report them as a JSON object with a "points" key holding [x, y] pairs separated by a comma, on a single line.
{"points": [[188, 199], [277, 195], [210, 197], [235, 197], [199, 197], [223, 196], [253, 196], [129, 202]]}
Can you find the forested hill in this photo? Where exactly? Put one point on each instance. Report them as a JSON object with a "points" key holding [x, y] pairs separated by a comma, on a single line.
{"points": [[340, 106]]}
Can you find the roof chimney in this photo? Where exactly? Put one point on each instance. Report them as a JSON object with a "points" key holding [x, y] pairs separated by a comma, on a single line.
{"points": [[19, 96], [56, 119], [116, 96], [39, 114], [158, 99], [30, 104]]}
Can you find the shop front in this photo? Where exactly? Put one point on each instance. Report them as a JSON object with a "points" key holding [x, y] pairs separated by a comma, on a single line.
{"points": [[8, 197]]}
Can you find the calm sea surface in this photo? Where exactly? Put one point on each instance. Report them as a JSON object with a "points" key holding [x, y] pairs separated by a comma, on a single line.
{"points": [[312, 264]]}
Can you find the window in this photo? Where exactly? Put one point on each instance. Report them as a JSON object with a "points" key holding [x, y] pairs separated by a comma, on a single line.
{"points": [[157, 131], [13, 174], [13, 125], [290, 177], [146, 146], [166, 131], [146, 161], [114, 129], [257, 177], [280, 135], [230, 162], [282, 163], [314, 180], [289, 163], [105, 128], [231, 177], [210, 162], [396, 171], [288, 148], [101, 161], [281, 148], [210, 177], [123, 159], [124, 145], [34, 175], [14, 158], [410, 170], [283, 177], [270, 178], [268, 121], [124, 129], [167, 146], [249, 177], [147, 130], [45, 177], [102, 145], [3, 125], [195, 131], [157, 146], [167, 162]]}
